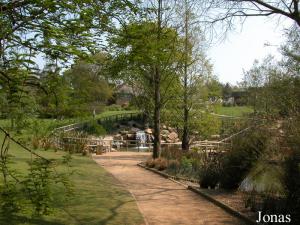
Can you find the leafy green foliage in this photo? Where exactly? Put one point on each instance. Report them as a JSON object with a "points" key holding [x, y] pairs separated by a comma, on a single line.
{"points": [[138, 51], [57, 31], [186, 164], [89, 84], [10, 200], [38, 186], [55, 100], [94, 128], [34, 190], [18, 101]]}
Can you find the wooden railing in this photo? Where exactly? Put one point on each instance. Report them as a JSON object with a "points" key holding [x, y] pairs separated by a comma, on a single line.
{"points": [[107, 145], [127, 144], [68, 128], [90, 144], [211, 146]]}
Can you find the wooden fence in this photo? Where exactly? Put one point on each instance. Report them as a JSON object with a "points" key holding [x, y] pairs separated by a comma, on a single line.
{"points": [[106, 145], [86, 144]]}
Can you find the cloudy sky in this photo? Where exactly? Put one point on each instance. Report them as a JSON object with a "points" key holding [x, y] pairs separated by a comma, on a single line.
{"points": [[241, 47]]}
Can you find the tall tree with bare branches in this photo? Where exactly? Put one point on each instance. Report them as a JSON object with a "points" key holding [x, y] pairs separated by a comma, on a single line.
{"points": [[227, 10]]}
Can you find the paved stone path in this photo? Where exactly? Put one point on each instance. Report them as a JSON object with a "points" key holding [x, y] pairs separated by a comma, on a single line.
{"points": [[161, 201]]}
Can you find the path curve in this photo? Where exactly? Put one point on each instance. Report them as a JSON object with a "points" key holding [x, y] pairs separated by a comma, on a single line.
{"points": [[161, 201]]}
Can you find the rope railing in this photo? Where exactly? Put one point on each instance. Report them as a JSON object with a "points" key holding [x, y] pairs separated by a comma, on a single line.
{"points": [[235, 134]]}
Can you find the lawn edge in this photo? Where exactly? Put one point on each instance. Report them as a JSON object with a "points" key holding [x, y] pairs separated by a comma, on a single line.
{"points": [[216, 202]]}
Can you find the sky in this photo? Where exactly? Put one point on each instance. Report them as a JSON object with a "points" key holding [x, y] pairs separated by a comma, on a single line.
{"points": [[241, 47], [238, 50]]}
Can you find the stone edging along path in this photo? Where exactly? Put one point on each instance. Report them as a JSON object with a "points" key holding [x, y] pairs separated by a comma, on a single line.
{"points": [[218, 203]]}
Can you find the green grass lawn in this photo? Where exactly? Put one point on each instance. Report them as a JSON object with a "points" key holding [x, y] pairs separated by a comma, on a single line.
{"points": [[98, 197], [233, 110]]}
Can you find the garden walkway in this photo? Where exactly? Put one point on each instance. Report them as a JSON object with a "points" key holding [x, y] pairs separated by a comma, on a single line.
{"points": [[161, 201]]}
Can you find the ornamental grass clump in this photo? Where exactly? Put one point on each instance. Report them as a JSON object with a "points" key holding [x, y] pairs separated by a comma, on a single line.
{"points": [[172, 153], [173, 167], [150, 163], [186, 165], [160, 164]]}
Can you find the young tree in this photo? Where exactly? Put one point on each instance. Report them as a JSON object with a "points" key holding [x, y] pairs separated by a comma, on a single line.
{"points": [[53, 100], [195, 67], [157, 83], [149, 65], [89, 85]]}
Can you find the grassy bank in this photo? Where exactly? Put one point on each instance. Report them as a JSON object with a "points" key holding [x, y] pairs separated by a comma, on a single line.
{"points": [[41, 127], [98, 197], [61, 122], [233, 110]]}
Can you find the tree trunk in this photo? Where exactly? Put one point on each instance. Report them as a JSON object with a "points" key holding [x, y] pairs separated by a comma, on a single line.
{"points": [[185, 136], [157, 140], [157, 100]]}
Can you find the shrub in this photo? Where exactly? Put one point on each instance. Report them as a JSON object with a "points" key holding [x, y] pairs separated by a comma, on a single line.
{"points": [[246, 150], [209, 175], [172, 153], [173, 166], [186, 165], [292, 184], [161, 163], [10, 200], [292, 169], [150, 163], [94, 128]]}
